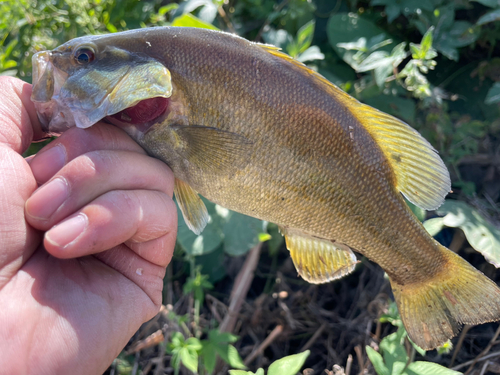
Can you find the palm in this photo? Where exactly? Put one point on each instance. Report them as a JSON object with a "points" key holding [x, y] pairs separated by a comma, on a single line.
{"points": [[74, 315]]}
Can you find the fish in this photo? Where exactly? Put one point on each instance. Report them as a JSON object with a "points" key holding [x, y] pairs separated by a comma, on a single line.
{"points": [[255, 131]]}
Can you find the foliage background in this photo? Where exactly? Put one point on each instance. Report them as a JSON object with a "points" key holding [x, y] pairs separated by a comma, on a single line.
{"points": [[433, 63]]}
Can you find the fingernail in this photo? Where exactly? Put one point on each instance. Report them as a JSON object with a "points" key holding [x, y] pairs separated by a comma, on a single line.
{"points": [[47, 163], [46, 200], [68, 231]]}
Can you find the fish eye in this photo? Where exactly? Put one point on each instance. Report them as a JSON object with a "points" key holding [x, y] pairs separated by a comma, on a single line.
{"points": [[84, 55]]}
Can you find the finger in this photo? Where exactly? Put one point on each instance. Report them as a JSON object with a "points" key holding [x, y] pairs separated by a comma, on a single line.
{"points": [[75, 142], [19, 124], [91, 175], [137, 216], [148, 276]]}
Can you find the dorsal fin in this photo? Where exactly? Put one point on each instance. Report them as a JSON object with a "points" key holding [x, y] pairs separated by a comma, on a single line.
{"points": [[420, 173]]}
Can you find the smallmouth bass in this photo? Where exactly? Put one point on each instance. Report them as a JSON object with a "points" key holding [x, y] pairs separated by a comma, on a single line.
{"points": [[257, 132]]}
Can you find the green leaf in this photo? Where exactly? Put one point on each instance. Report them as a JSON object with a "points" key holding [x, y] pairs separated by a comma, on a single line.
{"points": [[489, 3], [420, 213], [241, 372], [345, 28], [377, 361], [241, 233], [234, 358], [481, 234], [394, 352], [493, 95], [463, 33], [310, 54], [428, 368], [189, 358], [434, 225], [208, 240], [305, 35], [288, 365], [426, 43], [188, 20], [194, 344], [491, 16], [209, 357], [263, 237]]}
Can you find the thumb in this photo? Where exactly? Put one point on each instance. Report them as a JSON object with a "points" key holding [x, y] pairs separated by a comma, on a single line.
{"points": [[19, 125]]}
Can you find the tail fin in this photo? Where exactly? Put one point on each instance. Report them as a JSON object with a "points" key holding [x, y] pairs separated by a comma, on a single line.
{"points": [[435, 310]]}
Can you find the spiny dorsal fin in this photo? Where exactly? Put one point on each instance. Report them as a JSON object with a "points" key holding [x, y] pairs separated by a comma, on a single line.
{"points": [[318, 260], [192, 207], [420, 173]]}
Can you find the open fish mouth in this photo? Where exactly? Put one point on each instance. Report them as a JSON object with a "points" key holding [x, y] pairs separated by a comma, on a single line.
{"points": [[143, 114], [67, 94]]}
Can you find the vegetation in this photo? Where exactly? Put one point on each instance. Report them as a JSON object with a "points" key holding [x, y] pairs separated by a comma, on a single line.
{"points": [[432, 63]]}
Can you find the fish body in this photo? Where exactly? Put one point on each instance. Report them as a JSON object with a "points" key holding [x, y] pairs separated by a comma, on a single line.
{"points": [[255, 131]]}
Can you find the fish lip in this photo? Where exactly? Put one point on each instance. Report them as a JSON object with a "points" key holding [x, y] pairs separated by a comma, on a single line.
{"points": [[47, 82]]}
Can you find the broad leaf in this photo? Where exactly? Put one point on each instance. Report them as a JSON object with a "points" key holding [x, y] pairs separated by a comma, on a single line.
{"points": [[493, 95], [188, 20], [491, 16], [428, 368], [481, 234], [434, 225], [241, 233], [345, 28], [288, 365], [377, 361], [208, 240]]}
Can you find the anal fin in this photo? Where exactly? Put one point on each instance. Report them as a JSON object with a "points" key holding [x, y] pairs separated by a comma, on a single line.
{"points": [[192, 207], [318, 260]]}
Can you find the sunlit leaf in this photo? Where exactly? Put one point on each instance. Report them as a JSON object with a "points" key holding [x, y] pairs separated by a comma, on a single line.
{"points": [[434, 225], [428, 368], [288, 365], [481, 234], [305, 36], [188, 20], [377, 361], [350, 28]]}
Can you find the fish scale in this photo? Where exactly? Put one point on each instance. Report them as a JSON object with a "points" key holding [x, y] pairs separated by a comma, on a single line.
{"points": [[257, 132]]}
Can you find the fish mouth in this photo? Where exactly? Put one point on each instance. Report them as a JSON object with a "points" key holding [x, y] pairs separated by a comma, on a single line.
{"points": [[135, 92], [142, 115], [47, 83]]}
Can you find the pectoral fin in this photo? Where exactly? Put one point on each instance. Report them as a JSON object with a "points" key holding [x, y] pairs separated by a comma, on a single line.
{"points": [[318, 260], [214, 150], [192, 207]]}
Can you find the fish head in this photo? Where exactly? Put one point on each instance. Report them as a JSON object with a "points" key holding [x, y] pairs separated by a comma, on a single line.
{"points": [[88, 79]]}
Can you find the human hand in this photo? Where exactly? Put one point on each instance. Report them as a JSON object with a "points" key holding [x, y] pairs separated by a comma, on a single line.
{"points": [[82, 257]]}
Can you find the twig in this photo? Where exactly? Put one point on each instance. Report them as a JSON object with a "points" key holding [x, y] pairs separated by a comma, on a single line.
{"points": [[492, 355], [459, 344], [485, 367], [152, 340], [226, 19], [348, 365], [269, 339], [486, 350], [359, 355], [313, 338], [240, 289]]}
